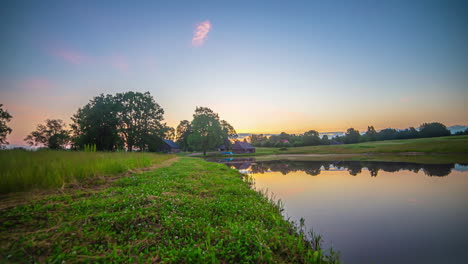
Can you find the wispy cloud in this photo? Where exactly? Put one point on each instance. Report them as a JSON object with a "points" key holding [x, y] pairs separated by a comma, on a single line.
{"points": [[201, 32], [405, 100], [70, 56]]}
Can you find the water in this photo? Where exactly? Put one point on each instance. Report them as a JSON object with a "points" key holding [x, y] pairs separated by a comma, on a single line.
{"points": [[374, 212]]}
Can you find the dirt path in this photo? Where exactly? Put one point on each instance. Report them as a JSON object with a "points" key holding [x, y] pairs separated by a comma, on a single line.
{"points": [[89, 186]]}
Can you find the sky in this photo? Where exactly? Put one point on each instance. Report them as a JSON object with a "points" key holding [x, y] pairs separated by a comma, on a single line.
{"points": [[264, 66]]}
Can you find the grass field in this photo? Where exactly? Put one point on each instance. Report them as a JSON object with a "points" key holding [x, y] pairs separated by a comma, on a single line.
{"points": [[452, 144], [191, 212], [26, 170]]}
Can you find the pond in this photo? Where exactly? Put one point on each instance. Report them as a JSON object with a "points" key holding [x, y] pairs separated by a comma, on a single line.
{"points": [[373, 212]]}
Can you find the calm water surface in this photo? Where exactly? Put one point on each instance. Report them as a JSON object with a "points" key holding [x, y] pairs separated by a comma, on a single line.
{"points": [[374, 212]]}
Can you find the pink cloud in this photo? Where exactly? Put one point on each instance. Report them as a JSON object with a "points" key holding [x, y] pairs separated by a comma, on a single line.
{"points": [[201, 32], [70, 56]]}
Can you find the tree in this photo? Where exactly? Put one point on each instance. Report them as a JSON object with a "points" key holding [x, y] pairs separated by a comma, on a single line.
{"points": [[311, 138], [371, 134], [98, 123], [434, 129], [325, 140], [184, 129], [387, 134], [352, 136], [5, 117], [408, 133], [52, 135], [169, 133], [228, 133], [140, 119], [206, 130]]}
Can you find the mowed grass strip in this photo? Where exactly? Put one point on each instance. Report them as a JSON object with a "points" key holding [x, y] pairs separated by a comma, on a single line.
{"points": [[27, 170], [452, 144], [191, 212]]}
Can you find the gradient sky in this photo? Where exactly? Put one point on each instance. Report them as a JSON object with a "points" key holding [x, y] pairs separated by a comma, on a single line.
{"points": [[263, 66]]}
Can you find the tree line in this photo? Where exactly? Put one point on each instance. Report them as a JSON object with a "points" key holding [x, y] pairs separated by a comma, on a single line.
{"points": [[312, 137], [130, 121]]}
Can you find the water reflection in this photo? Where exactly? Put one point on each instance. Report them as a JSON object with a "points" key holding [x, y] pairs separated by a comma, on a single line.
{"points": [[405, 215], [354, 168]]}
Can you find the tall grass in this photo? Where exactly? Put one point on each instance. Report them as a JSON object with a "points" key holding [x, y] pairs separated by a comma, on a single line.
{"points": [[22, 170]]}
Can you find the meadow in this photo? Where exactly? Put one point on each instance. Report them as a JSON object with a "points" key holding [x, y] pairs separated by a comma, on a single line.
{"points": [[28, 170], [190, 212], [447, 145]]}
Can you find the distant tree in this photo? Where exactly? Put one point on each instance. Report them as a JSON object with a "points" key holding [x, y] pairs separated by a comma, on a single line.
{"points": [[258, 139], [52, 135], [206, 130], [352, 136], [5, 117], [97, 123], [434, 129], [460, 133], [229, 133], [387, 134], [311, 138], [325, 140], [284, 136], [371, 134], [184, 129], [140, 119], [408, 133]]}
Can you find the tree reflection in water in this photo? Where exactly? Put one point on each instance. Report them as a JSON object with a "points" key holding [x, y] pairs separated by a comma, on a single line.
{"points": [[354, 168]]}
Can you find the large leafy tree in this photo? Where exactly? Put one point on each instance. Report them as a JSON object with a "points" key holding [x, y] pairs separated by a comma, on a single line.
{"points": [[206, 130], [97, 123], [52, 134], [5, 117], [182, 133], [140, 119]]}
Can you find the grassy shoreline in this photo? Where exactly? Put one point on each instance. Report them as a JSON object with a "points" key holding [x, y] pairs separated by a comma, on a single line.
{"points": [[190, 212], [423, 150]]}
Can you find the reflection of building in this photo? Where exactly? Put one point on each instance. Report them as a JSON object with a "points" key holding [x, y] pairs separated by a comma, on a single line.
{"points": [[242, 147]]}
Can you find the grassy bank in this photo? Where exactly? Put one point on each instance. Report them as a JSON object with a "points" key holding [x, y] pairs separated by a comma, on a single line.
{"points": [[26, 170], [191, 212], [453, 144]]}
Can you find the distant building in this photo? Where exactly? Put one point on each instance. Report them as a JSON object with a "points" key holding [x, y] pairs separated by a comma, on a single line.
{"points": [[169, 146], [242, 147]]}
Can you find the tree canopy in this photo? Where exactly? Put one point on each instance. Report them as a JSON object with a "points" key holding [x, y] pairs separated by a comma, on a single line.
{"points": [[126, 119], [52, 134], [184, 129]]}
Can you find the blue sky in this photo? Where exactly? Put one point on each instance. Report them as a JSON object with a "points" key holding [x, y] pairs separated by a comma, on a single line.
{"points": [[265, 66]]}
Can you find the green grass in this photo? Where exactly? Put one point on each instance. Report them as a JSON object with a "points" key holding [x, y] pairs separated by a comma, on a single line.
{"points": [[452, 144], [191, 212], [27, 170]]}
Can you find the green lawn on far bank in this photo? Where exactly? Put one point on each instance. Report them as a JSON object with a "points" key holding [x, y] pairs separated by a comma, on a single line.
{"points": [[190, 212], [452, 144], [23, 170]]}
